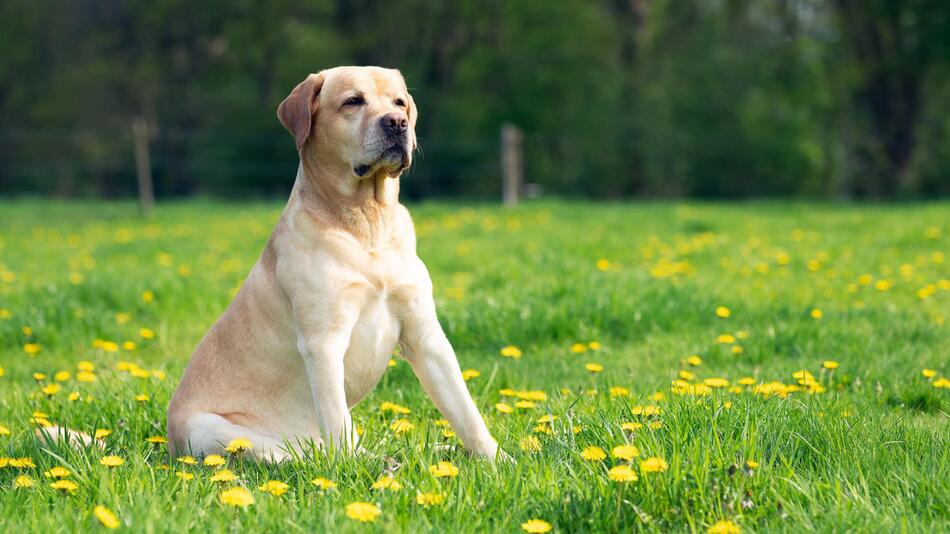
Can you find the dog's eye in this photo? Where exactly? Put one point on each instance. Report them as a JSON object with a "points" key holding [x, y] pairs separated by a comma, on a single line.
{"points": [[400, 102], [355, 101]]}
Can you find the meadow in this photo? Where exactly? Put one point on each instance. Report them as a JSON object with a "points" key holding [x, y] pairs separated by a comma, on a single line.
{"points": [[662, 367]]}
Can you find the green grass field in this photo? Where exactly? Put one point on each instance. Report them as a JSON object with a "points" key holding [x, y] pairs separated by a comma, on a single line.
{"points": [[757, 430]]}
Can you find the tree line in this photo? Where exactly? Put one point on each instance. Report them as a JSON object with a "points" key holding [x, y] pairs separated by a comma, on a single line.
{"points": [[616, 98]]}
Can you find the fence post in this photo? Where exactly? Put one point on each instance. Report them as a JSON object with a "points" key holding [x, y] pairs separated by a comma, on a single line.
{"points": [[511, 163], [143, 165]]}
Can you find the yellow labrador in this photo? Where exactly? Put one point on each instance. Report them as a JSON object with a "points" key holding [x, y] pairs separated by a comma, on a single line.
{"points": [[336, 288]]}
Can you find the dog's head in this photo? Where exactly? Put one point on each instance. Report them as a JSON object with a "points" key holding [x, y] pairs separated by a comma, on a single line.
{"points": [[362, 117]]}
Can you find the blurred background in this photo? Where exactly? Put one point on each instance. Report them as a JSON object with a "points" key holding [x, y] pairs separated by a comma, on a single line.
{"points": [[612, 98]]}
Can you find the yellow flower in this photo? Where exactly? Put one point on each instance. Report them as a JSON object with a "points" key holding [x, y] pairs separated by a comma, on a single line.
{"points": [[716, 382], [429, 499], [129, 345], [723, 312], [391, 363], [653, 464], [694, 360], [102, 433], [536, 526], [274, 487], [619, 391], [687, 375], [625, 452], [577, 348], [726, 338], [111, 461], [829, 364], [387, 483], [237, 497], [941, 383], [4, 431], [469, 374], [387, 406], [323, 483], [525, 404], [39, 377], [594, 345], [158, 440], [929, 373], [23, 481], [184, 475], [52, 389], [401, 426], [187, 460], [724, 527], [32, 348], [106, 517], [66, 486], [85, 376], [511, 351], [530, 444], [142, 397], [752, 464], [57, 472], [593, 454], [239, 445], [816, 313], [146, 333], [214, 460], [62, 376], [603, 264], [148, 296], [504, 408], [622, 473], [22, 463], [444, 469], [631, 426], [363, 511], [223, 475], [594, 367]]}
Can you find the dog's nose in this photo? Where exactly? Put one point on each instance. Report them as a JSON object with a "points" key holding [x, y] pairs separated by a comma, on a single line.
{"points": [[394, 123]]}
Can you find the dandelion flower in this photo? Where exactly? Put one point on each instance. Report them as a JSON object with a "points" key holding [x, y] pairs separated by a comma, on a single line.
{"points": [[622, 473], [724, 527], [577, 348], [66, 486], [429, 499], [237, 497], [619, 391], [726, 339], [4, 431], [751, 464], [444, 470], [504, 408], [593, 454], [469, 374], [536, 526], [32, 349], [111, 461], [929, 373], [816, 313], [387, 406], [239, 445], [387, 483], [829, 364], [723, 312], [223, 475], [694, 360], [530, 444], [187, 460], [625, 452], [184, 475], [274, 487], [142, 397], [23, 481], [102, 433], [631, 426], [716, 382], [594, 345], [106, 517], [214, 460], [323, 483], [401, 426], [511, 351], [653, 464], [362, 511], [57, 472], [157, 440], [942, 383], [594, 367]]}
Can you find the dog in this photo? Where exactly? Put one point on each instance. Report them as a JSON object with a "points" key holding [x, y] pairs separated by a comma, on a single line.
{"points": [[336, 289]]}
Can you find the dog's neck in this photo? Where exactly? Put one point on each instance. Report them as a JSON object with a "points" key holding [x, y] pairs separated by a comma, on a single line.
{"points": [[362, 207]]}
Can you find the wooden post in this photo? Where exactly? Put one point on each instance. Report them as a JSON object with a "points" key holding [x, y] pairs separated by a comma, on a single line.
{"points": [[143, 165], [511, 163]]}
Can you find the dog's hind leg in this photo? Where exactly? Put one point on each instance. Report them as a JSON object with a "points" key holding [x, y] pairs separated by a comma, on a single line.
{"points": [[206, 433]]}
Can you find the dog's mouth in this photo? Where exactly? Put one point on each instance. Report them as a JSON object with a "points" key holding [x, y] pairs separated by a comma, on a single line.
{"points": [[394, 159]]}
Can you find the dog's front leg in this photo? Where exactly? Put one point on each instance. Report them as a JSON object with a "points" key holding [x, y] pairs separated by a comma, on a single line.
{"points": [[322, 340], [433, 360]]}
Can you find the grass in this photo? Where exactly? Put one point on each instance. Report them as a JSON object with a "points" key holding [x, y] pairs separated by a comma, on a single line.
{"points": [[866, 450]]}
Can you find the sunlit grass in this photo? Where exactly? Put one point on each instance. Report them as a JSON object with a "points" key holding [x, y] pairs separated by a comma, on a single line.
{"points": [[769, 358]]}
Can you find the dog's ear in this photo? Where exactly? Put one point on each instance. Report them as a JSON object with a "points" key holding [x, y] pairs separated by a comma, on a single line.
{"points": [[297, 110]]}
